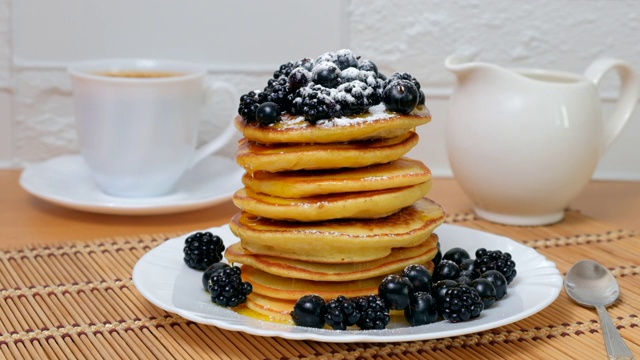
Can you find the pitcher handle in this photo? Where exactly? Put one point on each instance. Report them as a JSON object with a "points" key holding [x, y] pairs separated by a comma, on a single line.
{"points": [[227, 134], [627, 101]]}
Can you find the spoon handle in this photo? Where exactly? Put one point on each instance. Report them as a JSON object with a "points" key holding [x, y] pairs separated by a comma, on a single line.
{"points": [[616, 348]]}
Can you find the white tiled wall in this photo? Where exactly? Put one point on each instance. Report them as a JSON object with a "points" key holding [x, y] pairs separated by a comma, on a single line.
{"points": [[243, 41]]}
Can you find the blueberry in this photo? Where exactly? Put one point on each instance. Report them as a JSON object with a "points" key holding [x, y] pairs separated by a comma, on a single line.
{"points": [[468, 264], [419, 276], [498, 280], [345, 59], [298, 78], [394, 290], [367, 65], [466, 277], [213, 268], [326, 74], [457, 255], [486, 290], [423, 309], [267, 113], [446, 269], [309, 311], [400, 96]]}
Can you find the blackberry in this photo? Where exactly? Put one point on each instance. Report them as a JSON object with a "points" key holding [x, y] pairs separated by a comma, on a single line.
{"points": [[309, 311], [249, 103], [277, 91], [284, 70], [374, 313], [461, 303], [496, 260], [227, 288], [315, 102], [341, 312], [326, 74], [202, 249], [356, 97], [213, 268]]}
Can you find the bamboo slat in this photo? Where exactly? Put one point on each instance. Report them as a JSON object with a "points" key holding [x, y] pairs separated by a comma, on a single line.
{"points": [[78, 301]]}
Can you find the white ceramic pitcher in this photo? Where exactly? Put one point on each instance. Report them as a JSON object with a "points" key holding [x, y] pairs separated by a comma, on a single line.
{"points": [[523, 143]]}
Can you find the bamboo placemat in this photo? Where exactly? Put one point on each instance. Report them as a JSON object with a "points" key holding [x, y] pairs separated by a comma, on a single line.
{"points": [[78, 301]]}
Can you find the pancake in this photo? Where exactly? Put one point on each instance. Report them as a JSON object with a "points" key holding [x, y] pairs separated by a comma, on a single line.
{"points": [[305, 183], [285, 157], [292, 289], [376, 123], [396, 261], [334, 241], [274, 309], [355, 205]]}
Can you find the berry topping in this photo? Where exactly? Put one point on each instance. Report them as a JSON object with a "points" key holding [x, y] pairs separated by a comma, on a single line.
{"points": [[461, 303], [309, 311], [440, 289], [374, 313], [315, 102], [249, 103], [202, 249], [423, 309], [342, 312], [356, 97], [498, 280], [364, 88], [419, 276], [400, 96], [267, 113], [496, 260], [395, 290], [457, 255], [214, 268], [227, 288]]}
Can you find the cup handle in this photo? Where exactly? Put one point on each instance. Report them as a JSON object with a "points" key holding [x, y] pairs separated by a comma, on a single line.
{"points": [[221, 140], [627, 100]]}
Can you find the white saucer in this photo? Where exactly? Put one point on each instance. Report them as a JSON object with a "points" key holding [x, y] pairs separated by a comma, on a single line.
{"points": [[66, 181]]}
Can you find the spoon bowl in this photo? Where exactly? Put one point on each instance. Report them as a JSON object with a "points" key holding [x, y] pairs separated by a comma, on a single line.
{"points": [[590, 284]]}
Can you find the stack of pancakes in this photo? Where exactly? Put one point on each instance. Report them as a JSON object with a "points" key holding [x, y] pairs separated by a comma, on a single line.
{"points": [[330, 208]]}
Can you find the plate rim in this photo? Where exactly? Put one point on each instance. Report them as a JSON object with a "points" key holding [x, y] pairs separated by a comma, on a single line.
{"points": [[554, 280]]}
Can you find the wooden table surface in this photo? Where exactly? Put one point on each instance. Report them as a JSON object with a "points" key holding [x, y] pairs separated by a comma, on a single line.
{"points": [[25, 219]]}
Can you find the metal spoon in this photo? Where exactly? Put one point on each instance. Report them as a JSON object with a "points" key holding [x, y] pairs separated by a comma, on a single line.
{"points": [[591, 284]]}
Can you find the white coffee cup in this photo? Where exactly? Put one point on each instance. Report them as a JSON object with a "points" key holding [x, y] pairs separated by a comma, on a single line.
{"points": [[138, 122]]}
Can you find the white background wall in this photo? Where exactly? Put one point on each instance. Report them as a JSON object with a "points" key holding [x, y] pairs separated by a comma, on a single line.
{"points": [[243, 41]]}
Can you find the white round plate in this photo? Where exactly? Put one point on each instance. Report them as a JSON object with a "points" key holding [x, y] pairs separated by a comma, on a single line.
{"points": [[66, 181], [162, 277]]}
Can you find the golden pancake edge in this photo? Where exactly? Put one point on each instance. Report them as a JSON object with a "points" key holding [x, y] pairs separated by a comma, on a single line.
{"points": [[305, 183], [353, 205], [396, 261], [374, 238], [286, 157]]}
